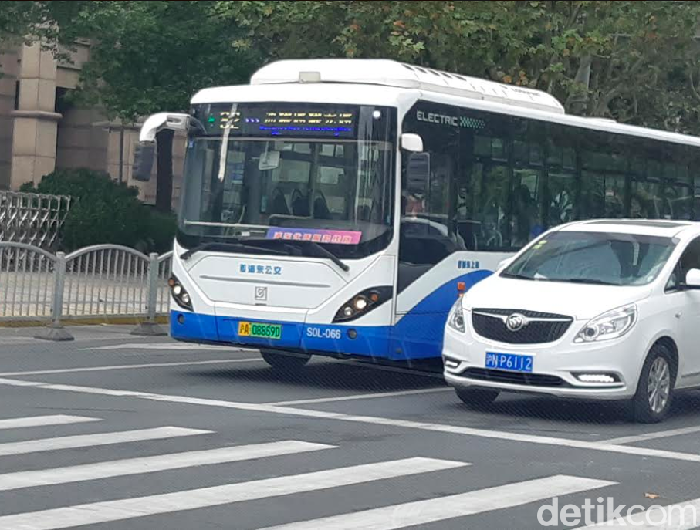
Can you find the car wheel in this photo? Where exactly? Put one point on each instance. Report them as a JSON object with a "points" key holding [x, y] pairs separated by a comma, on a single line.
{"points": [[654, 395], [477, 397], [285, 360]]}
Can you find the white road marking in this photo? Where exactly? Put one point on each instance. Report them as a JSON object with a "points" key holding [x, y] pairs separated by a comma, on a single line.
{"points": [[370, 420], [682, 516], [652, 435], [119, 510], [92, 440], [360, 396], [128, 367], [152, 464], [44, 421], [168, 346], [452, 506]]}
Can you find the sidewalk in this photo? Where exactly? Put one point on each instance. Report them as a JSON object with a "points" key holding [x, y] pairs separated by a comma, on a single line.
{"points": [[79, 332]]}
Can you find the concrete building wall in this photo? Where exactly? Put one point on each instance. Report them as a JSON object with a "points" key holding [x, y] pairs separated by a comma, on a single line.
{"points": [[9, 68], [40, 131]]}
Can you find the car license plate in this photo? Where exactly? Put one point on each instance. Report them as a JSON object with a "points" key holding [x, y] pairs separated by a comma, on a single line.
{"points": [[259, 330], [509, 361]]}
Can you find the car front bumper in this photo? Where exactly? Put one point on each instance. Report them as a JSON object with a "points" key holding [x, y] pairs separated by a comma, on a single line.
{"points": [[557, 366]]}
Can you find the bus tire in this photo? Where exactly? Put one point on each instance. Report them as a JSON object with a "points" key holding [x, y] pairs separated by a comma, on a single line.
{"points": [[281, 360], [477, 397]]}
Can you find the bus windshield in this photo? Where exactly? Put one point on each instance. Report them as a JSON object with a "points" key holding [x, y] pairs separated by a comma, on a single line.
{"points": [[312, 173]]}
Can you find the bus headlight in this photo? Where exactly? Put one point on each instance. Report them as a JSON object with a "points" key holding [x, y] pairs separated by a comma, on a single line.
{"points": [[455, 319], [179, 293], [363, 303], [609, 325]]}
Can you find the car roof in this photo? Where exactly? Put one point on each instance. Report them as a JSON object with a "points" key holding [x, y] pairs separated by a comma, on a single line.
{"points": [[651, 227]]}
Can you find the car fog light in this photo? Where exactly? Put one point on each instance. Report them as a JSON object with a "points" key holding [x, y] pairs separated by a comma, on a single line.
{"points": [[596, 378]]}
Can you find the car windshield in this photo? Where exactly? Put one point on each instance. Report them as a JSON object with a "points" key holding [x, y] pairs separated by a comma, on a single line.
{"points": [[594, 258], [259, 173]]}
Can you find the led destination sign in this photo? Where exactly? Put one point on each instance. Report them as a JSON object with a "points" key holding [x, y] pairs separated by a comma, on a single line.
{"points": [[273, 120]]}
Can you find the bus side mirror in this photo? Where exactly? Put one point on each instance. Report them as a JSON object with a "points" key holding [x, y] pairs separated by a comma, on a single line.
{"points": [[418, 173], [411, 142], [144, 155]]}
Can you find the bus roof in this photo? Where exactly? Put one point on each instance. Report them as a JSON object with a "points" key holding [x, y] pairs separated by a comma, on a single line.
{"points": [[401, 75], [301, 76]]}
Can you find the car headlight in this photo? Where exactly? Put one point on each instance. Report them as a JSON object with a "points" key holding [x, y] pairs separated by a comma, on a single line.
{"points": [[609, 325], [456, 317]]}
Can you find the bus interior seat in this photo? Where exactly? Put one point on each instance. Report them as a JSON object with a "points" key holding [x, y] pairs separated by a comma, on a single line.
{"points": [[279, 204], [300, 204], [363, 213], [321, 210]]}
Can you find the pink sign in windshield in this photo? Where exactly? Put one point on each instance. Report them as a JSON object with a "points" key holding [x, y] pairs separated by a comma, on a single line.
{"points": [[334, 237]]}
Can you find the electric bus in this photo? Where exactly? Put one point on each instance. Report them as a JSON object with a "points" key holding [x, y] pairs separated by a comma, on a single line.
{"points": [[340, 206]]}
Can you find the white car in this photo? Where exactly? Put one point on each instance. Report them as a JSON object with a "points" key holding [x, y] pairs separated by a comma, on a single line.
{"points": [[601, 309]]}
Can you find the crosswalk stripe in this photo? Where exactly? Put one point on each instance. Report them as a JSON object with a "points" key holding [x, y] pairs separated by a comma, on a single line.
{"points": [[90, 440], [452, 506], [152, 464], [102, 512], [682, 516], [43, 421]]}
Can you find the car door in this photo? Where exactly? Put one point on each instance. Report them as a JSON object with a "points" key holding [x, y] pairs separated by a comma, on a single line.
{"points": [[685, 304]]}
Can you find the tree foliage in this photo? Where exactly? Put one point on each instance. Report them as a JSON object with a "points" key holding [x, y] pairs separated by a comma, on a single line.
{"points": [[152, 56], [104, 211], [632, 61]]}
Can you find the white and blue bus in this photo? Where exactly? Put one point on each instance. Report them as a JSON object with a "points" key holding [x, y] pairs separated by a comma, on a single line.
{"points": [[338, 207]]}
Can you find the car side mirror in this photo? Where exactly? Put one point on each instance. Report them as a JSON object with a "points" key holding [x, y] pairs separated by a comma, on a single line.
{"points": [[144, 155], [692, 279]]}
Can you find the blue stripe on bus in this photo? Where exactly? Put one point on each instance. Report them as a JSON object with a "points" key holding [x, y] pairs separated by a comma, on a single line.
{"points": [[194, 326], [418, 335]]}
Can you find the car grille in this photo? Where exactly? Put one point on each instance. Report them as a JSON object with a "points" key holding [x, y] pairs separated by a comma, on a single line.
{"points": [[540, 328], [518, 378]]}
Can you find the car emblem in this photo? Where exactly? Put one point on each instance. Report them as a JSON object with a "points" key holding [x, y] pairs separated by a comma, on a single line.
{"points": [[515, 322]]}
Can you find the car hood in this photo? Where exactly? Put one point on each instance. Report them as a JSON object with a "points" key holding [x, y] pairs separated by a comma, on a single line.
{"points": [[577, 300]]}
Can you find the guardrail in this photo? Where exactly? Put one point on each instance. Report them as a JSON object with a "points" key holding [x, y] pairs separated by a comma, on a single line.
{"points": [[96, 281]]}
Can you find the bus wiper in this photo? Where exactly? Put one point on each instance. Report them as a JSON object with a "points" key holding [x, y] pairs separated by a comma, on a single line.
{"points": [[324, 253], [229, 247]]}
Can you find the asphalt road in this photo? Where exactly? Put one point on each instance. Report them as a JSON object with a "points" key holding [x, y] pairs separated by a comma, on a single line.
{"points": [[116, 431]]}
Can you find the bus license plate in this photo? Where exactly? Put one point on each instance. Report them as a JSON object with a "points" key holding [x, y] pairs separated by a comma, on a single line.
{"points": [[259, 330], [509, 361]]}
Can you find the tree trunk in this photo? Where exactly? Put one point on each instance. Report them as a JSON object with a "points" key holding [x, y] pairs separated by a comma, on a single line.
{"points": [[164, 170], [578, 103]]}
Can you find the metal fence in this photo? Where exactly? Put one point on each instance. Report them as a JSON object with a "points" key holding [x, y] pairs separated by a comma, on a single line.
{"points": [[97, 281], [32, 218]]}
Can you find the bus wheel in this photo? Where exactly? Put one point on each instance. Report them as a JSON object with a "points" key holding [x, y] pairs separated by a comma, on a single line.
{"points": [[285, 360], [476, 397]]}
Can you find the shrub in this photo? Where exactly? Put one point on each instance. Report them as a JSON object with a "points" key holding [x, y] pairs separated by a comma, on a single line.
{"points": [[104, 211]]}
